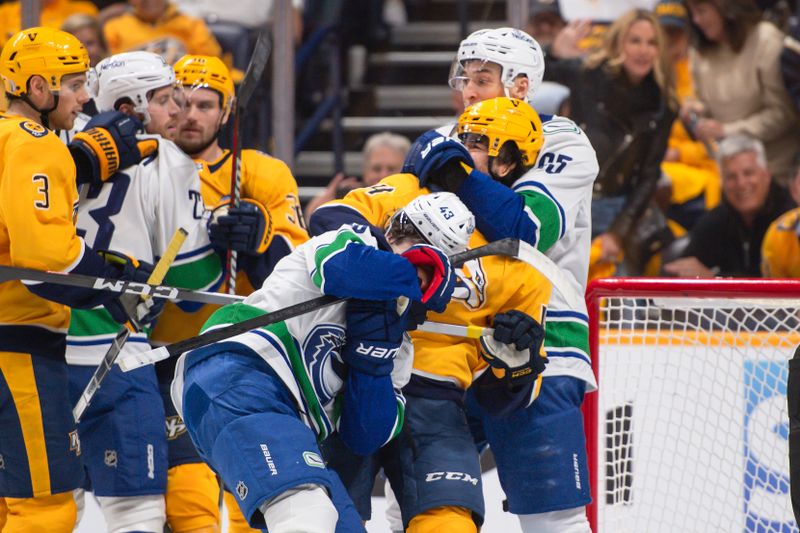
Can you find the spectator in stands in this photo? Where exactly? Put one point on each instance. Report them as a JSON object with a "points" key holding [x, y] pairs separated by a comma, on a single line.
{"points": [[53, 14], [623, 98], [159, 27], [87, 29], [383, 155], [737, 77], [727, 240], [780, 252], [545, 21], [250, 14], [689, 166]]}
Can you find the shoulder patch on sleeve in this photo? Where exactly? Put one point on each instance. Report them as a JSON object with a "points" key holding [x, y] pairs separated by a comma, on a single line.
{"points": [[37, 130]]}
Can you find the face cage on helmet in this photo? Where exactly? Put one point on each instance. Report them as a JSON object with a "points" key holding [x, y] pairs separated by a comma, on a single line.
{"points": [[401, 227]]}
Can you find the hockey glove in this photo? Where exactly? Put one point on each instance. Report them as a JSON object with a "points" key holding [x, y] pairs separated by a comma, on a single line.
{"points": [[127, 306], [436, 295], [374, 334], [247, 228], [107, 144], [435, 156], [515, 347]]}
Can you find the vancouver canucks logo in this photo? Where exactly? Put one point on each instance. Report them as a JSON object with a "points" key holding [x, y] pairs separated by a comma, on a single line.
{"points": [[320, 344]]}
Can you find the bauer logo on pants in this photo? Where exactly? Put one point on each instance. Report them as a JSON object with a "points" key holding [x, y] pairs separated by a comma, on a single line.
{"points": [[766, 473]]}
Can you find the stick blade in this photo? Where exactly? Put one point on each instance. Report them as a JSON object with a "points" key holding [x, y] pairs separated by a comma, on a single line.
{"points": [[255, 70]]}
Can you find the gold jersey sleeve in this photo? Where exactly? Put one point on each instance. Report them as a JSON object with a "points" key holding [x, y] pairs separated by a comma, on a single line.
{"points": [[38, 197], [780, 250], [486, 287], [264, 179]]}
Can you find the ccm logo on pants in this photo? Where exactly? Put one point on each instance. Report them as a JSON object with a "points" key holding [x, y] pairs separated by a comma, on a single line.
{"points": [[452, 476]]}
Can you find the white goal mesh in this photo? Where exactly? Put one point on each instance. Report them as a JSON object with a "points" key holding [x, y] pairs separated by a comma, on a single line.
{"points": [[689, 426]]}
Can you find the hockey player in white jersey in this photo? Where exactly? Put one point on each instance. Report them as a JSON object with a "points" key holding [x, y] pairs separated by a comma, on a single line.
{"points": [[135, 213], [256, 405], [541, 193]]}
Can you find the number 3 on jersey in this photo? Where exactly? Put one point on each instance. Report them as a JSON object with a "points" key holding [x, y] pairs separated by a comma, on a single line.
{"points": [[103, 229], [43, 190]]}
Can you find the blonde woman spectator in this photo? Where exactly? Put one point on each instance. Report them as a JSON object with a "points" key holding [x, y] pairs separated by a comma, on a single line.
{"points": [[622, 96], [383, 156], [88, 31], [737, 77], [159, 27], [52, 15]]}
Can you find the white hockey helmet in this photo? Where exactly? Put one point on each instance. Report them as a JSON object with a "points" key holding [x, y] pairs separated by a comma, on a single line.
{"points": [[440, 218], [514, 50], [131, 75]]}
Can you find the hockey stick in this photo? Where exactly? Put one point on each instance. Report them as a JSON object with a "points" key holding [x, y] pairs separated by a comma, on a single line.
{"points": [[8, 273], [252, 77], [507, 247], [156, 276]]}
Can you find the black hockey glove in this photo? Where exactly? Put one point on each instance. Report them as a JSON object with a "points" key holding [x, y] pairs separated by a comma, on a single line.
{"points": [[129, 306], [515, 347], [108, 143], [247, 228]]}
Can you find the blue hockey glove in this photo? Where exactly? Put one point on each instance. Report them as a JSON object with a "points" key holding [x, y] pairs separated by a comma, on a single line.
{"points": [[515, 347], [433, 154], [373, 336], [128, 306], [108, 143], [439, 290], [247, 228]]}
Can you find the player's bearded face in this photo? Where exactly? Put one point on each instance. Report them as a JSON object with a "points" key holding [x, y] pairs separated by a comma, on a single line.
{"points": [[164, 107], [71, 97], [200, 121]]}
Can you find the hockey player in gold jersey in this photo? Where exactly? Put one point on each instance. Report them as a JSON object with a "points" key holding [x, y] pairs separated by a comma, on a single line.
{"points": [[780, 251], [444, 367], [268, 225], [44, 76]]}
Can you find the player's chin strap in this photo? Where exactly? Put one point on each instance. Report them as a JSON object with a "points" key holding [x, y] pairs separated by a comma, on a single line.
{"points": [[44, 114]]}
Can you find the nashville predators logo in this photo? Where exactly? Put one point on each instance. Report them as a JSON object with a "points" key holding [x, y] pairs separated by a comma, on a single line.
{"points": [[175, 427], [37, 130]]}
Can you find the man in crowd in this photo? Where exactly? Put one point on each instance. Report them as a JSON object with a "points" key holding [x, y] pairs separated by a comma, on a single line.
{"points": [[727, 240]]}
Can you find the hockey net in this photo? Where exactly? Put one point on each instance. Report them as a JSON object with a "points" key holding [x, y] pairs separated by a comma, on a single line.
{"points": [[688, 430]]}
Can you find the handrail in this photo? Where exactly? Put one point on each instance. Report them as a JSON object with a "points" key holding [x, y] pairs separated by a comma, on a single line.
{"points": [[331, 105]]}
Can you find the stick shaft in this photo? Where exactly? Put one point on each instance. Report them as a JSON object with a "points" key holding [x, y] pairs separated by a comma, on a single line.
{"points": [[507, 247], [156, 276]]}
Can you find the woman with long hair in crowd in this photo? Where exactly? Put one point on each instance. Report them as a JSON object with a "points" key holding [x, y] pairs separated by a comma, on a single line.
{"points": [[737, 78], [622, 96]]}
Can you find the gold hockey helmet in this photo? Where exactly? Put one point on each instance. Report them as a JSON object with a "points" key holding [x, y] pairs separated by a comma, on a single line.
{"points": [[196, 71], [505, 119], [44, 52]]}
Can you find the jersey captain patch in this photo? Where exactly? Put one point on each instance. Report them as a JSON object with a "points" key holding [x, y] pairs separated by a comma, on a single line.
{"points": [[37, 130]]}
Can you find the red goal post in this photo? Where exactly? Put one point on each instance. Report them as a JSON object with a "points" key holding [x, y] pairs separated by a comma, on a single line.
{"points": [[688, 429]]}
